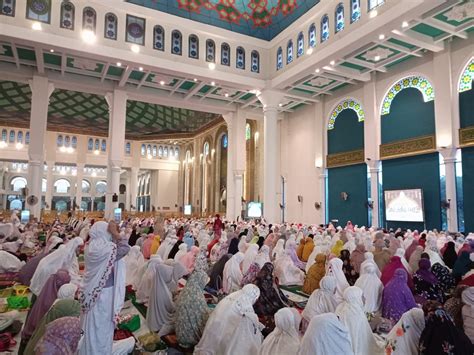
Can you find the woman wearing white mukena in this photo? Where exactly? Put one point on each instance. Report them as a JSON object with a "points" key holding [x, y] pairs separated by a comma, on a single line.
{"points": [[103, 293]]}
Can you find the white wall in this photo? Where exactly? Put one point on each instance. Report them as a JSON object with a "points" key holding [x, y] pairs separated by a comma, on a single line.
{"points": [[167, 189]]}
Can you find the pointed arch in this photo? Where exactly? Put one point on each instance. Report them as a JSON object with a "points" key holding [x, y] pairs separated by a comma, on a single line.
{"points": [[415, 81], [467, 76], [349, 103]]}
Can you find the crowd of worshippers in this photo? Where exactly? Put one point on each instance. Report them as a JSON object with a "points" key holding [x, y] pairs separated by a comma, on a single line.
{"points": [[223, 287]]}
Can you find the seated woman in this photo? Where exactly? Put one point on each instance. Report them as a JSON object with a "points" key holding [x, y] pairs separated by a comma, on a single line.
{"points": [[251, 275], [397, 297], [404, 337], [322, 300], [286, 272], [216, 273], [285, 337], [232, 275], [61, 337], [427, 286], [315, 273], [371, 287], [271, 298]]}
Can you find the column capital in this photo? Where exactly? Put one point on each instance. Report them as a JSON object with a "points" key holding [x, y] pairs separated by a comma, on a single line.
{"points": [[120, 94], [449, 154], [270, 99], [39, 81], [238, 172], [374, 165]]}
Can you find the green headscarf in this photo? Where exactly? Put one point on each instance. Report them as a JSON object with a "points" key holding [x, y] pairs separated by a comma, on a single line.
{"points": [[62, 308]]}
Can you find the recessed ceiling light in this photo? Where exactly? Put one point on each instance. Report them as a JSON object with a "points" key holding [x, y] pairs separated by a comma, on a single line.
{"points": [[162, 82], [141, 68], [51, 50], [404, 24], [119, 64], [373, 13], [195, 80], [212, 66], [134, 48], [226, 94], [213, 83], [317, 70], [382, 36], [280, 105], [36, 26], [332, 62], [309, 51], [377, 58], [88, 36]]}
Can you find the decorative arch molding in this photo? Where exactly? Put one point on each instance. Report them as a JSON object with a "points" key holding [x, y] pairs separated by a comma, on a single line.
{"points": [[349, 103], [467, 76], [415, 81]]}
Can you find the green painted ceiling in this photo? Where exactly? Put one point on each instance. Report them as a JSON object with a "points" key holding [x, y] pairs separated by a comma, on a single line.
{"points": [[75, 112]]}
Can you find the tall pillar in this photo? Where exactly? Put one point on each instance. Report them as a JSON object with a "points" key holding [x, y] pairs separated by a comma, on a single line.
{"points": [[319, 158], [322, 192], [374, 171], [79, 178], [449, 157], [117, 102], [49, 185], [134, 188], [270, 100], [41, 90], [230, 198]]}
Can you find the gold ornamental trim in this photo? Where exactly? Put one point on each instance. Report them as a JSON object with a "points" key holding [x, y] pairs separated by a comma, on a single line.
{"points": [[466, 136], [408, 147], [344, 159]]}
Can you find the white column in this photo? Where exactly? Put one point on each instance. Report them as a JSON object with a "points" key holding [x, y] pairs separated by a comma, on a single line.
{"points": [[134, 187], [374, 170], [41, 89], [322, 192], [319, 159], [117, 102], [79, 178], [230, 197], [270, 100], [49, 185], [449, 157]]}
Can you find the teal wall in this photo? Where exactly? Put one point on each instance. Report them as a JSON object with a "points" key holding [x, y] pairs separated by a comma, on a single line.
{"points": [[353, 180], [347, 134], [421, 171], [409, 117], [466, 108], [468, 188]]}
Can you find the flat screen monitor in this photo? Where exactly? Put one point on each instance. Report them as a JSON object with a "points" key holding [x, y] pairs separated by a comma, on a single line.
{"points": [[187, 210], [25, 216], [254, 209], [117, 215], [404, 205]]}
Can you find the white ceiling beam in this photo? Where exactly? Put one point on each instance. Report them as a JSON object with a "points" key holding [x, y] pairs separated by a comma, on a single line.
{"points": [[15, 55], [177, 85], [399, 48], [301, 97], [194, 90], [142, 81], [125, 75], [418, 39], [249, 102], [361, 63], [104, 72], [63, 63], [348, 73], [445, 27]]}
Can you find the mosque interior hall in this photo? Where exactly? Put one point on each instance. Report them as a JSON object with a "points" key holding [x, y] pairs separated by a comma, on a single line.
{"points": [[307, 111]]}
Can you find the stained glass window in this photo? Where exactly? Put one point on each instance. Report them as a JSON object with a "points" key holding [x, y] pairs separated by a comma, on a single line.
{"points": [[465, 83], [416, 82], [12, 136], [248, 132], [225, 141], [38, 10], [135, 30], [176, 152], [160, 151], [110, 26], [27, 137], [159, 40], [60, 141], [300, 45], [97, 145], [148, 150], [90, 144], [143, 150], [67, 141], [312, 36], [128, 148], [324, 28], [154, 151], [289, 52], [74, 142], [346, 104], [374, 3], [67, 15], [210, 51], [176, 42], [206, 149], [8, 8], [89, 19], [4, 135], [193, 47], [240, 58], [339, 17], [279, 59], [355, 10], [255, 65], [20, 137], [165, 152], [225, 54], [103, 146]]}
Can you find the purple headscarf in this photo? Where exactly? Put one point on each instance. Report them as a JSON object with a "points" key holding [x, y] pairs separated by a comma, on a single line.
{"points": [[424, 271], [46, 298], [28, 270], [62, 337], [290, 249], [397, 297]]}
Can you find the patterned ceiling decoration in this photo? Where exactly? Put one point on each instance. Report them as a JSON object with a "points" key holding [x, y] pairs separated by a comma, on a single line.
{"points": [[76, 112], [262, 19], [350, 104], [416, 82]]}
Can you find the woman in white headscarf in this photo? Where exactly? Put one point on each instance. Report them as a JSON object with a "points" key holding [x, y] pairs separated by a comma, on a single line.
{"points": [[9, 262], [232, 275], [63, 258], [279, 249], [160, 313], [371, 287], [351, 313], [182, 251], [404, 337], [335, 269], [326, 335], [401, 254], [134, 261], [263, 255], [369, 259], [284, 339], [103, 291], [322, 300], [233, 327], [67, 291], [249, 257], [286, 271], [147, 274]]}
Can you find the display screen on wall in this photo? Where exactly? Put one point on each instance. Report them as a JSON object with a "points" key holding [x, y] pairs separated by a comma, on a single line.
{"points": [[404, 205], [117, 215], [187, 210], [25, 216], [254, 210]]}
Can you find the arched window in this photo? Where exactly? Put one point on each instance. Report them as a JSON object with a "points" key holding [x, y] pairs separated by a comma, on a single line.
{"points": [[18, 183], [210, 51], [225, 54], [312, 36], [279, 59], [67, 15], [339, 17], [289, 52], [300, 45], [60, 141], [159, 40], [8, 8], [44, 185], [255, 59], [86, 187], [176, 152], [90, 144], [206, 149], [89, 19], [143, 150], [61, 186], [240, 58], [103, 146], [165, 152], [97, 144], [74, 142], [27, 137], [248, 132], [101, 187], [225, 141], [193, 46], [355, 10], [374, 3], [4, 135], [110, 26], [324, 28], [160, 152], [67, 141], [176, 42], [19, 137], [12, 136], [128, 148], [36, 10], [148, 150], [154, 151], [135, 30]]}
